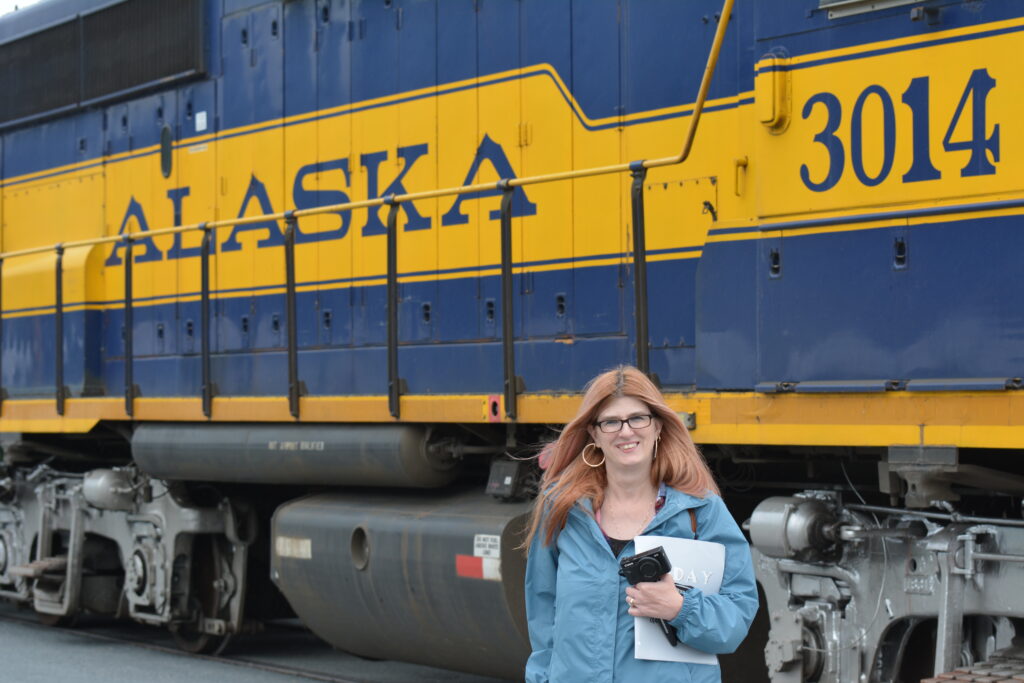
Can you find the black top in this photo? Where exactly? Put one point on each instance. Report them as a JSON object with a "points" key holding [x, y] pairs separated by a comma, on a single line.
{"points": [[617, 544]]}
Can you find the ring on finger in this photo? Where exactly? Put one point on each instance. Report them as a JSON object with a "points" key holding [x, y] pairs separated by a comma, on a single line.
{"points": [[631, 601]]}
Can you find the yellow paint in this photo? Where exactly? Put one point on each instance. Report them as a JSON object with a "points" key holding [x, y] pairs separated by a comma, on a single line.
{"points": [[581, 220], [964, 419], [772, 96], [779, 157]]}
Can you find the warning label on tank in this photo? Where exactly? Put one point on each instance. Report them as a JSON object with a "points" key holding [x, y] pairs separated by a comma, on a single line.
{"points": [[299, 548], [486, 545]]}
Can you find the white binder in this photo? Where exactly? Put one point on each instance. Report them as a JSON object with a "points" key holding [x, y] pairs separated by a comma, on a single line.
{"points": [[694, 563]]}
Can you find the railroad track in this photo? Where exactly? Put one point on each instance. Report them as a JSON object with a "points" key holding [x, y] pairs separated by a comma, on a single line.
{"points": [[1004, 666], [254, 653], [129, 640]]}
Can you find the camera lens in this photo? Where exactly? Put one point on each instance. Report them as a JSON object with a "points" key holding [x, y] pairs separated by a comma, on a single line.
{"points": [[648, 568]]}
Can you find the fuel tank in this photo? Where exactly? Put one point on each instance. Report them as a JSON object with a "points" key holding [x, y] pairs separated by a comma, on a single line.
{"points": [[431, 579], [343, 455]]}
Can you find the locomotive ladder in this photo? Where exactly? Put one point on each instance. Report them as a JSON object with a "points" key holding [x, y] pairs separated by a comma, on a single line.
{"points": [[513, 385]]}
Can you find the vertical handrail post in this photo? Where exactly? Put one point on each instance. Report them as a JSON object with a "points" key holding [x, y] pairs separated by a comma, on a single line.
{"points": [[639, 173], [508, 348], [204, 322], [129, 332], [59, 329], [291, 319], [395, 386]]}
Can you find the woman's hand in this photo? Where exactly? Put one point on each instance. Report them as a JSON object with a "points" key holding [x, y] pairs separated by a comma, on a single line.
{"points": [[658, 600]]}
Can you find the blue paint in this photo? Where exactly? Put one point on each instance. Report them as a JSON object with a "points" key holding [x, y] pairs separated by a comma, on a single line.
{"points": [[360, 53], [304, 41], [727, 316], [826, 137], [143, 250], [255, 193], [264, 79], [596, 56], [917, 97], [249, 339], [305, 198], [839, 318], [654, 71], [888, 136], [851, 315], [371, 162], [29, 348], [981, 143], [495, 156]]}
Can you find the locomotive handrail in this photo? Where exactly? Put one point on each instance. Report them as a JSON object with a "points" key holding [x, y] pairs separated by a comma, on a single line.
{"points": [[441, 192], [638, 170]]}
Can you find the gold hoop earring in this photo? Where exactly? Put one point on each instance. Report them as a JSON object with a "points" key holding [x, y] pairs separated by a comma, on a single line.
{"points": [[656, 442], [583, 455]]}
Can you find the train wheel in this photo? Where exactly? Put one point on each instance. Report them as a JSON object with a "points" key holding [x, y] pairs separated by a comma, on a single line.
{"points": [[212, 586], [189, 637]]}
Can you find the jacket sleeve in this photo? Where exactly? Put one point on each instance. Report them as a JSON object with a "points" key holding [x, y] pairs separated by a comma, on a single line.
{"points": [[541, 576], [717, 624]]}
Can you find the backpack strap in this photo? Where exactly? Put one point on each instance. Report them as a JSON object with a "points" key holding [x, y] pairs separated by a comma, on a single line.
{"points": [[693, 522]]}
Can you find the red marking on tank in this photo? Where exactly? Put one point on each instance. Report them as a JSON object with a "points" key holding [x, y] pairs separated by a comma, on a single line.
{"points": [[469, 567]]}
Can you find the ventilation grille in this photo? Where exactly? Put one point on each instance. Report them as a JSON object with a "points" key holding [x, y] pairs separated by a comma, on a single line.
{"points": [[844, 8], [40, 72], [125, 47]]}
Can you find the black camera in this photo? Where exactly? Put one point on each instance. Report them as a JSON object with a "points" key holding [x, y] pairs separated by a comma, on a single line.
{"points": [[648, 566]]}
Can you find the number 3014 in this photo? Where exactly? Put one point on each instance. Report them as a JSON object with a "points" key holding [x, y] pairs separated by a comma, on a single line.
{"points": [[917, 98]]}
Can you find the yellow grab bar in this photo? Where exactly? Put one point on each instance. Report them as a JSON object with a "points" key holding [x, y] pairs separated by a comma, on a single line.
{"points": [[705, 84]]}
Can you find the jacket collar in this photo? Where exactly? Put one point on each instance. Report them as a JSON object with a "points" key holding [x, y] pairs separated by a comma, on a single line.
{"points": [[675, 502]]}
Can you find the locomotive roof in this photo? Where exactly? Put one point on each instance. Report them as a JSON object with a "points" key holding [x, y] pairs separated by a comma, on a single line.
{"points": [[45, 14]]}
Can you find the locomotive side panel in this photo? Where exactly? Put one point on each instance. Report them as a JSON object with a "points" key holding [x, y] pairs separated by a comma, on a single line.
{"points": [[527, 120]]}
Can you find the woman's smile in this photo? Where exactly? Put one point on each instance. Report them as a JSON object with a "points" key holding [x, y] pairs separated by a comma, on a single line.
{"points": [[623, 444]]}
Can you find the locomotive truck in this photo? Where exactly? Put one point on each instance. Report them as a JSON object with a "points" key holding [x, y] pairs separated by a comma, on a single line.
{"points": [[293, 289]]}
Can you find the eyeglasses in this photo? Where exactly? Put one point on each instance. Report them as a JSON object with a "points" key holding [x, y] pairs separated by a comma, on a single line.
{"points": [[635, 422]]}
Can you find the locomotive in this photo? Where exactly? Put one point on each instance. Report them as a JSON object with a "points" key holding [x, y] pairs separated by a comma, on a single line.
{"points": [[292, 289]]}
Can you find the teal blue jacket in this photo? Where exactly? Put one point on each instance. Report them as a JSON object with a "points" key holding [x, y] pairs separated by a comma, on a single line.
{"points": [[580, 629]]}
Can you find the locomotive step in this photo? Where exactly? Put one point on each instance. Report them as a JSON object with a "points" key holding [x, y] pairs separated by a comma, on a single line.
{"points": [[39, 568]]}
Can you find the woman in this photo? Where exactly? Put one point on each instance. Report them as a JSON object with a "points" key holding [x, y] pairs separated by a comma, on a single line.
{"points": [[626, 466]]}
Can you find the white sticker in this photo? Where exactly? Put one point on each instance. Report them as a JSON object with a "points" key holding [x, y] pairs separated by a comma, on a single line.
{"points": [[200, 121], [299, 548], [492, 569], [487, 545]]}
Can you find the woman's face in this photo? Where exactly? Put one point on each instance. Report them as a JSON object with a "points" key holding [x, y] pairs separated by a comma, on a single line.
{"points": [[628, 446]]}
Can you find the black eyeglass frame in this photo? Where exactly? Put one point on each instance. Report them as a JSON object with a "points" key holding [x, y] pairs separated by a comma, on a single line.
{"points": [[647, 419]]}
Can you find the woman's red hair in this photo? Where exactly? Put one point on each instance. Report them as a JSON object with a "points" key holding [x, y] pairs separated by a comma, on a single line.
{"points": [[568, 479]]}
